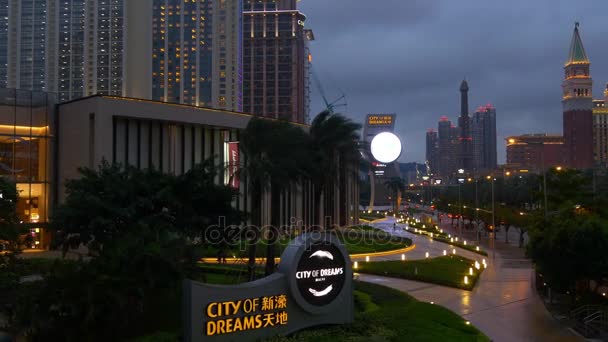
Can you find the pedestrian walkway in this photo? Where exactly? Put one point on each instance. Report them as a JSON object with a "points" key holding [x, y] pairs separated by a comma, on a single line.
{"points": [[503, 304]]}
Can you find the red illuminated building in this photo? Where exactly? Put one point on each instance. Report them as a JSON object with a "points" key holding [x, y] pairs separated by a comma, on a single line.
{"points": [[578, 107]]}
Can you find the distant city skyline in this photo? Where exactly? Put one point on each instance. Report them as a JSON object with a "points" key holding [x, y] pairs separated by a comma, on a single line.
{"points": [[419, 50]]}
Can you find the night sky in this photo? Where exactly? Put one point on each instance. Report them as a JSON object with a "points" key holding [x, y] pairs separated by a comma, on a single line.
{"points": [[409, 57]]}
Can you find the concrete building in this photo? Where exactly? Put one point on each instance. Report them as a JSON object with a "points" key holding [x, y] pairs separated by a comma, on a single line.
{"points": [[534, 152], [483, 131], [600, 131], [43, 144], [276, 58], [577, 103], [449, 148], [432, 150], [173, 138]]}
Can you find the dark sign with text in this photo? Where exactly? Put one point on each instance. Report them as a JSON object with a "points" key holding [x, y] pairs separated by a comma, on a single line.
{"points": [[313, 286], [320, 274]]}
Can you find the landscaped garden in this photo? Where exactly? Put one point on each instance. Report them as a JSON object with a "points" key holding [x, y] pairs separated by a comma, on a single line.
{"points": [[447, 270], [437, 234]]}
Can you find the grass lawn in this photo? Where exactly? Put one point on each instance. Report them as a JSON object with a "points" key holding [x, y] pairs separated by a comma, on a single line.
{"points": [[359, 240], [445, 270], [440, 236], [381, 314], [384, 314]]}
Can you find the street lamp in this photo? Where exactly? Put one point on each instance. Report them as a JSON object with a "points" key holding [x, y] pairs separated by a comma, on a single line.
{"points": [[493, 232]]}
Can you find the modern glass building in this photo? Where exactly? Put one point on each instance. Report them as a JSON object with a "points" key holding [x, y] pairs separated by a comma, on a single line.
{"points": [[26, 122]]}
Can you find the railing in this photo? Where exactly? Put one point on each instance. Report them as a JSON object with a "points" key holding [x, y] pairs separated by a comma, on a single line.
{"points": [[590, 320]]}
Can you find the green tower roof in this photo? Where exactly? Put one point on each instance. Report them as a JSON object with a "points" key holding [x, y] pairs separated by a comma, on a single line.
{"points": [[577, 51]]}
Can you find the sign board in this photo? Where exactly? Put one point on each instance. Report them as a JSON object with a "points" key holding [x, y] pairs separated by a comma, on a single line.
{"points": [[231, 160], [380, 119], [313, 286]]}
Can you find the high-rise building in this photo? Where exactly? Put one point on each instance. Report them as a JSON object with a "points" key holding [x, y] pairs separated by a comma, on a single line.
{"points": [[432, 150], [578, 106], [176, 51], [534, 152], [600, 131], [465, 159], [275, 59], [448, 147], [197, 53], [25, 45], [483, 131]]}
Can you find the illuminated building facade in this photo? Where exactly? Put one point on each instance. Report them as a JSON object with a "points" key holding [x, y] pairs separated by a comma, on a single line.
{"points": [[600, 131], [534, 152], [178, 51], [25, 45], [27, 120], [275, 60], [197, 53], [578, 106], [483, 132]]}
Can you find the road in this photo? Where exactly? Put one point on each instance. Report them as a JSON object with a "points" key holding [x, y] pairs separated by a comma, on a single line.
{"points": [[503, 304]]}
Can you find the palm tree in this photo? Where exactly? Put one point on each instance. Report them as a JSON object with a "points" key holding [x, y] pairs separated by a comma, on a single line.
{"points": [[335, 145], [275, 156], [396, 186]]}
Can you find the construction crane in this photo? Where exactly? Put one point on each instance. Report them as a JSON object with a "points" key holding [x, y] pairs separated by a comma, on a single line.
{"points": [[330, 106]]}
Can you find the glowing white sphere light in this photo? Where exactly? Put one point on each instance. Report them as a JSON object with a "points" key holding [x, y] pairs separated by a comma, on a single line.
{"points": [[386, 147]]}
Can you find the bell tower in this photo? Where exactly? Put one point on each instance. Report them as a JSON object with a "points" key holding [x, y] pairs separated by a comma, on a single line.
{"points": [[577, 101]]}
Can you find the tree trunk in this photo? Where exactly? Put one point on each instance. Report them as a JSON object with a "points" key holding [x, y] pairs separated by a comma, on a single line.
{"points": [[521, 238], [507, 227], [253, 230], [273, 228]]}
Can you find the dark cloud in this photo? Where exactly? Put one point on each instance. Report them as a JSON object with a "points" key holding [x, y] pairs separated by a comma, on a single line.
{"points": [[408, 57]]}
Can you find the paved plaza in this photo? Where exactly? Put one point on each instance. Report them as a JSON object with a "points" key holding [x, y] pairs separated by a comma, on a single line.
{"points": [[503, 304]]}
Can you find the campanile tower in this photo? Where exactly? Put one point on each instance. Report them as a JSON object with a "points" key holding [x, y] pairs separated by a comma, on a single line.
{"points": [[577, 103]]}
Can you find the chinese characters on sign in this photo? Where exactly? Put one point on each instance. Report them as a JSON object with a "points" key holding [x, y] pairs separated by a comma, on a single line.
{"points": [[376, 120], [245, 314]]}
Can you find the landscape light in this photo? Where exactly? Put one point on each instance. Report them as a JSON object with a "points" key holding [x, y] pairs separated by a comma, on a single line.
{"points": [[426, 255], [356, 265], [367, 258], [466, 279]]}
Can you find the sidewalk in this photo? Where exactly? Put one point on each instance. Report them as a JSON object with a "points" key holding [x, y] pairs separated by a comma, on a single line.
{"points": [[504, 304]]}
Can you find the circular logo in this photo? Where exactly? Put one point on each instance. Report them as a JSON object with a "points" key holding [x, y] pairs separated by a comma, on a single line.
{"points": [[386, 147], [320, 273]]}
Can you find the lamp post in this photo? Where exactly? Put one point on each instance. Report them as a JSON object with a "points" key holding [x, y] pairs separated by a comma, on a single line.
{"points": [[460, 180], [493, 232]]}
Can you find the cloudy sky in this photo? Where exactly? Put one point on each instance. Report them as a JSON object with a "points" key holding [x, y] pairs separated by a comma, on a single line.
{"points": [[409, 57]]}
